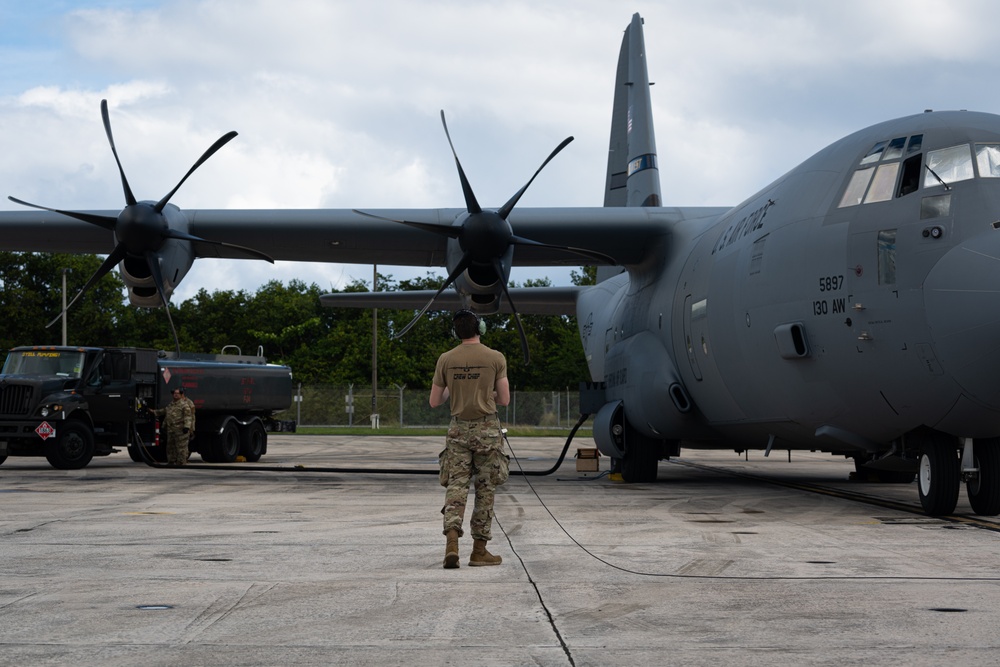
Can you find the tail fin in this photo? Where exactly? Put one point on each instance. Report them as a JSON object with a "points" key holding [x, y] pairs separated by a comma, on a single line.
{"points": [[633, 177]]}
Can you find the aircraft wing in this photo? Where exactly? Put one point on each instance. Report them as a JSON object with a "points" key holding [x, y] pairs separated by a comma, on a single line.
{"points": [[341, 235], [529, 300]]}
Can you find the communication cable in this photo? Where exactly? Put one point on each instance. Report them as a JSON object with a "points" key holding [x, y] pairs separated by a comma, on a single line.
{"points": [[716, 577]]}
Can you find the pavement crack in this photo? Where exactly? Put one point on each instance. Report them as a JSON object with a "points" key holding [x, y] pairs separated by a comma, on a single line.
{"points": [[538, 593]]}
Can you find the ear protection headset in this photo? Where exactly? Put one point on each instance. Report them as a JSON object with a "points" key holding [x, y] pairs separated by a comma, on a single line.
{"points": [[480, 324]]}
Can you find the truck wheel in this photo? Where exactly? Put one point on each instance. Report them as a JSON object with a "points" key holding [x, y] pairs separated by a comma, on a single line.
{"points": [[72, 448], [226, 445], [254, 442]]}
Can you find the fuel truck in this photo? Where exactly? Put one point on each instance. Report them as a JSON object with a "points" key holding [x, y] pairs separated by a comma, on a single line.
{"points": [[70, 404]]}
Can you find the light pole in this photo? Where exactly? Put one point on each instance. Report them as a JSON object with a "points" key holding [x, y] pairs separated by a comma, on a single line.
{"points": [[64, 272], [374, 351]]}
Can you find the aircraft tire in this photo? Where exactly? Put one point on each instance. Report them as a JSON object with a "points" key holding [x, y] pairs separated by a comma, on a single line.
{"points": [[984, 489], [938, 477], [642, 459], [72, 449]]}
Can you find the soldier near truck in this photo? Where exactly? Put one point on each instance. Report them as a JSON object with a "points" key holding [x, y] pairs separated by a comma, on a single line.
{"points": [[178, 421], [70, 404]]}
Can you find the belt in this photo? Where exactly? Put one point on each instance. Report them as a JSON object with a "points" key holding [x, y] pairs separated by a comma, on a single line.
{"points": [[484, 418]]}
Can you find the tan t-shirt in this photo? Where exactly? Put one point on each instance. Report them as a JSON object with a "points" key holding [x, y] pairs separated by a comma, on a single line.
{"points": [[470, 372]]}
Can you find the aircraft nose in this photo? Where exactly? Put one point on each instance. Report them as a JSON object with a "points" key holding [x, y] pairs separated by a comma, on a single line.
{"points": [[962, 301]]}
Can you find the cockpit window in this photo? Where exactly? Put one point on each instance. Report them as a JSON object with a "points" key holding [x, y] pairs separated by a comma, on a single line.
{"points": [[875, 153], [988, 160], [883, 183], [895, 149], [876, 176], [856, 188], [948, 165]]}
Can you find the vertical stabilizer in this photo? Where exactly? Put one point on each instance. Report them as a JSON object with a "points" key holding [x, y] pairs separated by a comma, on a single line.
{"points": [[633, 177]]}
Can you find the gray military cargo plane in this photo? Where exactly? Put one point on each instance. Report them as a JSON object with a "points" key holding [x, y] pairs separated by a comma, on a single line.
{"points": [[848, 307]]}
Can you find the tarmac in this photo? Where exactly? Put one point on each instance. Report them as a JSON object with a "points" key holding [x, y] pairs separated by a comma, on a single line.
{"points": [[124, 564]]}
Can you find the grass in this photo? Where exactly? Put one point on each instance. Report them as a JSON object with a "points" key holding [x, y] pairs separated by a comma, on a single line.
{"points": [[518, 432]]}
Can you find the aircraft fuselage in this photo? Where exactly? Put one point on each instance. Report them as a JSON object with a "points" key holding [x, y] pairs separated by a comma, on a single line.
{"points": [[851, 302]]}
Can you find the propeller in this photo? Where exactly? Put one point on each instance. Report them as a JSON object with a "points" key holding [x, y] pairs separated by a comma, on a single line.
{"points": [[485, 238], [143, 227]]}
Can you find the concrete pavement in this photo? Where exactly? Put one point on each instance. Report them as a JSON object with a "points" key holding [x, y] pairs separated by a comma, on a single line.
{"points": [[122, 564]]}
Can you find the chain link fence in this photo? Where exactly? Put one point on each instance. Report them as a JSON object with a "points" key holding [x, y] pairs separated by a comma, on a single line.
{"points": [[353, 405]]}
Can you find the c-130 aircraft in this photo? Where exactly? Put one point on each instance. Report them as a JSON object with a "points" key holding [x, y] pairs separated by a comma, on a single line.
{"points": [[852, 306]]}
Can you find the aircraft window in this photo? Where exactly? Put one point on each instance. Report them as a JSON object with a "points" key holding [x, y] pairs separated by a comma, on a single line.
{"points": [[910, 181], [949, 165], [856, 188], [988, 160], [883, 183], [916, 143], [875, 153], [895, 149], [887, 257], [935, 207]]}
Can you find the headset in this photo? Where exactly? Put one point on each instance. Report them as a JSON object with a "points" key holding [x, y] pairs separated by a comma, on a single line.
{"points": [[480, 324]]}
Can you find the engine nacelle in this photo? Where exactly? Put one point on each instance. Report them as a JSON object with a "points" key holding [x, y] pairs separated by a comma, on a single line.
{"points": [[175, 258], [479, 283]]}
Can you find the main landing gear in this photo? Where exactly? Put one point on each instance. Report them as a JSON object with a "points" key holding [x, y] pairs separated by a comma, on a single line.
{"points": [[945, 461]]}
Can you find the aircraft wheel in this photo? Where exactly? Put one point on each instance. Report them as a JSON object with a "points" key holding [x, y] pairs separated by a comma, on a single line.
{"points": [[642, 459], [984, 489], [938, 477], [254, 442], [72, 449]]}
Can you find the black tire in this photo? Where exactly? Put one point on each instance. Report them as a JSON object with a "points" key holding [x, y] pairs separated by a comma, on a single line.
{"points": [[254, 441], [226, 445], [2, 459], [939, 476], [72, 448], [135, 454], [984, 489], [642, 458]]}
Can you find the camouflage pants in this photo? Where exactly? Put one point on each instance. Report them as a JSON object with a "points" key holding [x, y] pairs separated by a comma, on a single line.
{"points": [[177, 446], [472, 451]]}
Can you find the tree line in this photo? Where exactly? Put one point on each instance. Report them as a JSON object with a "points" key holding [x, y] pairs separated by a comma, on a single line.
{"points": [[321, 345]]}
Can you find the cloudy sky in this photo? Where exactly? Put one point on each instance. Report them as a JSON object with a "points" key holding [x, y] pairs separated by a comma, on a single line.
{"points": [[337, 102]]}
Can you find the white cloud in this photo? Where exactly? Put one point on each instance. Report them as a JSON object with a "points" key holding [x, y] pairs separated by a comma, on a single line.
{"points": [[337, 102]]}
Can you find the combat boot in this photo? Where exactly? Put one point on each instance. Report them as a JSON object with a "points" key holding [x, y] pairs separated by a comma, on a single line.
{"points": [[451, 550], [480, 556]]}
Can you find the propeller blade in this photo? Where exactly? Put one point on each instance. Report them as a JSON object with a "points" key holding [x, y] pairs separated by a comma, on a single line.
{"points": [[219, 143], [113, 259], [183, 236], [513, 309], [154, 269], [509, 206], [591, 254], [470, 198], [463, 264], [100, 220], [444, 230], [129, 197]]}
